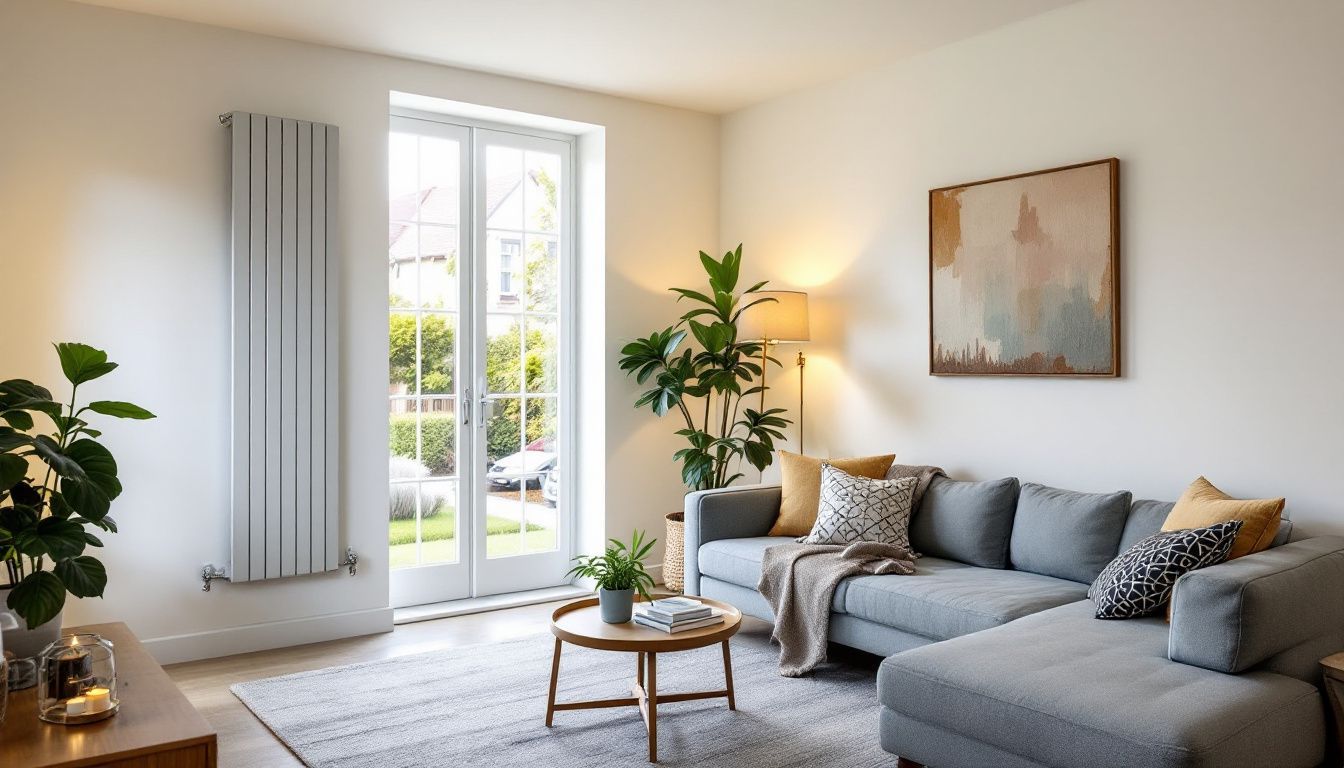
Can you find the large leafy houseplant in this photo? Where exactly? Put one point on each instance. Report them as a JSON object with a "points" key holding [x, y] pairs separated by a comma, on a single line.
{"points": [[46, 516], [706, 386]]}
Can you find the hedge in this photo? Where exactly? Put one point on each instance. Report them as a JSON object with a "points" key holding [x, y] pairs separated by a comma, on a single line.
{"points": [[438, 440]]}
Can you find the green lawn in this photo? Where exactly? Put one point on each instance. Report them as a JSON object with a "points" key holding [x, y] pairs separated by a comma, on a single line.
{"points": [[439, 542]]}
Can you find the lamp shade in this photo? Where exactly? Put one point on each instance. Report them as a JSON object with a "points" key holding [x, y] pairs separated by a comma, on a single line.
{"points": [[781, 320]]}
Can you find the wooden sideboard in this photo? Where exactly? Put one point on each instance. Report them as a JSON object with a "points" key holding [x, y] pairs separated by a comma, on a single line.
{"points": [[156, 726]]}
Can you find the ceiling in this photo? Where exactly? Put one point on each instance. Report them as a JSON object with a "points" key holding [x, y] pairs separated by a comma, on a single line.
{"points": [[708, 55]]}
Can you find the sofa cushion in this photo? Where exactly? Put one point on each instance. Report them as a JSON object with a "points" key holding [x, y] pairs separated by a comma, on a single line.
{"points": [[1147, 516], [738, 561], [1067, 534], [854, 509], [1203, 504], [800, 487], [967, 522], [945, 599], [1060, 688], [1140, 580]]}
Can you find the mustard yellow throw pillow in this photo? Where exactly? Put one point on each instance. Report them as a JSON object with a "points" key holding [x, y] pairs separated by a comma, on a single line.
{"points": [[800, 481], [1202, 505]]}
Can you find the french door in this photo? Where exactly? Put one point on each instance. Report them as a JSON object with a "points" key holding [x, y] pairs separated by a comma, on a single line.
{"points": [[479, 255]]}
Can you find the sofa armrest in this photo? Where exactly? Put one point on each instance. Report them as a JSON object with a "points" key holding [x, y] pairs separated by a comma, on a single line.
{"points": [[725, 513], [1236, 615]]}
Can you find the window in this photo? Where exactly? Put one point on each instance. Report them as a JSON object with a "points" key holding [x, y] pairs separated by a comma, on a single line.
{"points": [[508, 253]]}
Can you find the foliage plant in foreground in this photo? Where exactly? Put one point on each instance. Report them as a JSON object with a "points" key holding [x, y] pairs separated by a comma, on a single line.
{"points": [[48, 506], [620, 567]]}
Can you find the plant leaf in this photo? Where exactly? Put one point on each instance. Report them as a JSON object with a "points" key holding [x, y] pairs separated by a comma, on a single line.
{"points": [[91, 494], [18, 419], [50, 452], [12, 470], [119, 409], [52, 536], [9, 439], [82, 363], [84, 576], [14, 390], [18, 518], [38, 598], [23, 493]]}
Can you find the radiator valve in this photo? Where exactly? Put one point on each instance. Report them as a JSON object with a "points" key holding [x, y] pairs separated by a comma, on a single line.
{"points": [[209, 573], [351, 559]]}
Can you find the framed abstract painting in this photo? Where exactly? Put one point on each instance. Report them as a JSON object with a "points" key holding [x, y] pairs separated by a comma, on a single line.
{"points": [[1024, 274]]}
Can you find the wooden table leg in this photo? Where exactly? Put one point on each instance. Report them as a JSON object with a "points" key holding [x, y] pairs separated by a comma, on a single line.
{"points": [[1334, 691], [639, 671], [653, 707], [728, 675], [555, 678]]}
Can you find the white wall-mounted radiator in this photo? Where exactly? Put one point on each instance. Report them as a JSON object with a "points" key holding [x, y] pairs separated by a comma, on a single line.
{"points": [[285, 326]]}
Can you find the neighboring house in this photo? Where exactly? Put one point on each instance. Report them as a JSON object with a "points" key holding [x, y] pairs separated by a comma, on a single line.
{"points": [[427, 222]]}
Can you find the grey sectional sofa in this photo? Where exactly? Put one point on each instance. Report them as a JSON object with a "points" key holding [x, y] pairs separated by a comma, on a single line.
{"points": [[994, 657]]}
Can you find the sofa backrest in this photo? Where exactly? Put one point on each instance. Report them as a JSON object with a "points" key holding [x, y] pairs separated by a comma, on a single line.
{"points": [[1035, 528], [1146, 517], [965, 521], [1067, 534]]}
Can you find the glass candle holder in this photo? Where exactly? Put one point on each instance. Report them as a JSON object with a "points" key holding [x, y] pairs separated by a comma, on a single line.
{"points": [[77, 680]]}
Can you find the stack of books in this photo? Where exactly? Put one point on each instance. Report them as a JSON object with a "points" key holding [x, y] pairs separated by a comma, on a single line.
{"points": [[676, 614]]}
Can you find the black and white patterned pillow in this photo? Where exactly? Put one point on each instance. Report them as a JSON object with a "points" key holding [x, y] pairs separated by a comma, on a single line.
{"points": [[1140, 581], [862, 509]]}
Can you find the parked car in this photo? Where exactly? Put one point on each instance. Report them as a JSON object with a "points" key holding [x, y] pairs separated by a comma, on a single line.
{"points": [[550, 487], [529, 465]]}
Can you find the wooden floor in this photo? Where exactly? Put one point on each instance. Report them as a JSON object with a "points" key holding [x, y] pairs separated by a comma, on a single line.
{"points": [[245, 743]]}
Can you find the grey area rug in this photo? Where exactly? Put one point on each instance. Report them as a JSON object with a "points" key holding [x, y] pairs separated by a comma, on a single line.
{"points": [[486, 704]]}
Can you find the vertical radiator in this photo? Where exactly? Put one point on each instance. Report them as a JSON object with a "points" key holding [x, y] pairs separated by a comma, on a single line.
{"points": [[284, 426]]}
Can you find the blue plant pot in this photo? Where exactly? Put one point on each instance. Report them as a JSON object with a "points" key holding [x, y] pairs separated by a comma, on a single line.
{"points": [[617, 605]]}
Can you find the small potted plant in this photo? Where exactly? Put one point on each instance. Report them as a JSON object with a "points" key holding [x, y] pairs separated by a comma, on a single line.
{"points": [[619, 573]]}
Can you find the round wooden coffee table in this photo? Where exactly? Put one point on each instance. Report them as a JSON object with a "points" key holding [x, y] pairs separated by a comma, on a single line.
{"points": [[579, 623]]}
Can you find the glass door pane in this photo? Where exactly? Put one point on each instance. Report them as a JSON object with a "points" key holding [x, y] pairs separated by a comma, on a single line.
{"points": [[428, 225], [522, 230]]}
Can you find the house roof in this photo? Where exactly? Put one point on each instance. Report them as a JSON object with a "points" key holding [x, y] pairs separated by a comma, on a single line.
{"points": [[438, 205]]}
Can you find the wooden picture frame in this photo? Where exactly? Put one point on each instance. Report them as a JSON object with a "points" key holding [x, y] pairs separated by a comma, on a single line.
{"points": [[1030, 292]]}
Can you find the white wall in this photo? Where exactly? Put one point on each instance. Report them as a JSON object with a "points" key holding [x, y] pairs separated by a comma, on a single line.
{"points": [[114, 231], [1226, 117]]}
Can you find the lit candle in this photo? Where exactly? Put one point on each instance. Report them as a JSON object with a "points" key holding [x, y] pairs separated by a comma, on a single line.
{"points": [[76, 706], [97, 699]]}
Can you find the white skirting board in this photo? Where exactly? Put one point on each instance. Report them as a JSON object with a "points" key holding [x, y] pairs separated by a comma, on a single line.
{"points": [[210, 644]]}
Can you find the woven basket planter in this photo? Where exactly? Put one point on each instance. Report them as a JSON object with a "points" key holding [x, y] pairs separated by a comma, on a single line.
{"points": [[674, 552]]}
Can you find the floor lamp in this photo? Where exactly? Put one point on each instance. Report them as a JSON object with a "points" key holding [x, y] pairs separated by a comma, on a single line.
{"points": [[782, 321]]}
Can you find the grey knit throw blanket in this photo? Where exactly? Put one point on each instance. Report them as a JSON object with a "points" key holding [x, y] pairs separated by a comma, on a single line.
{"points": [[799, 581]]}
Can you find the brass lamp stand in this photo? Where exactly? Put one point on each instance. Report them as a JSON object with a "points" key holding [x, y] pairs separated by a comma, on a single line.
{"points": [[780, 321]]}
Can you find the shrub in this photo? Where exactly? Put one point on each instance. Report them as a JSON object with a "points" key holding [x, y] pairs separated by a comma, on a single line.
{"points": [[401, 497], [438, 440]]}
